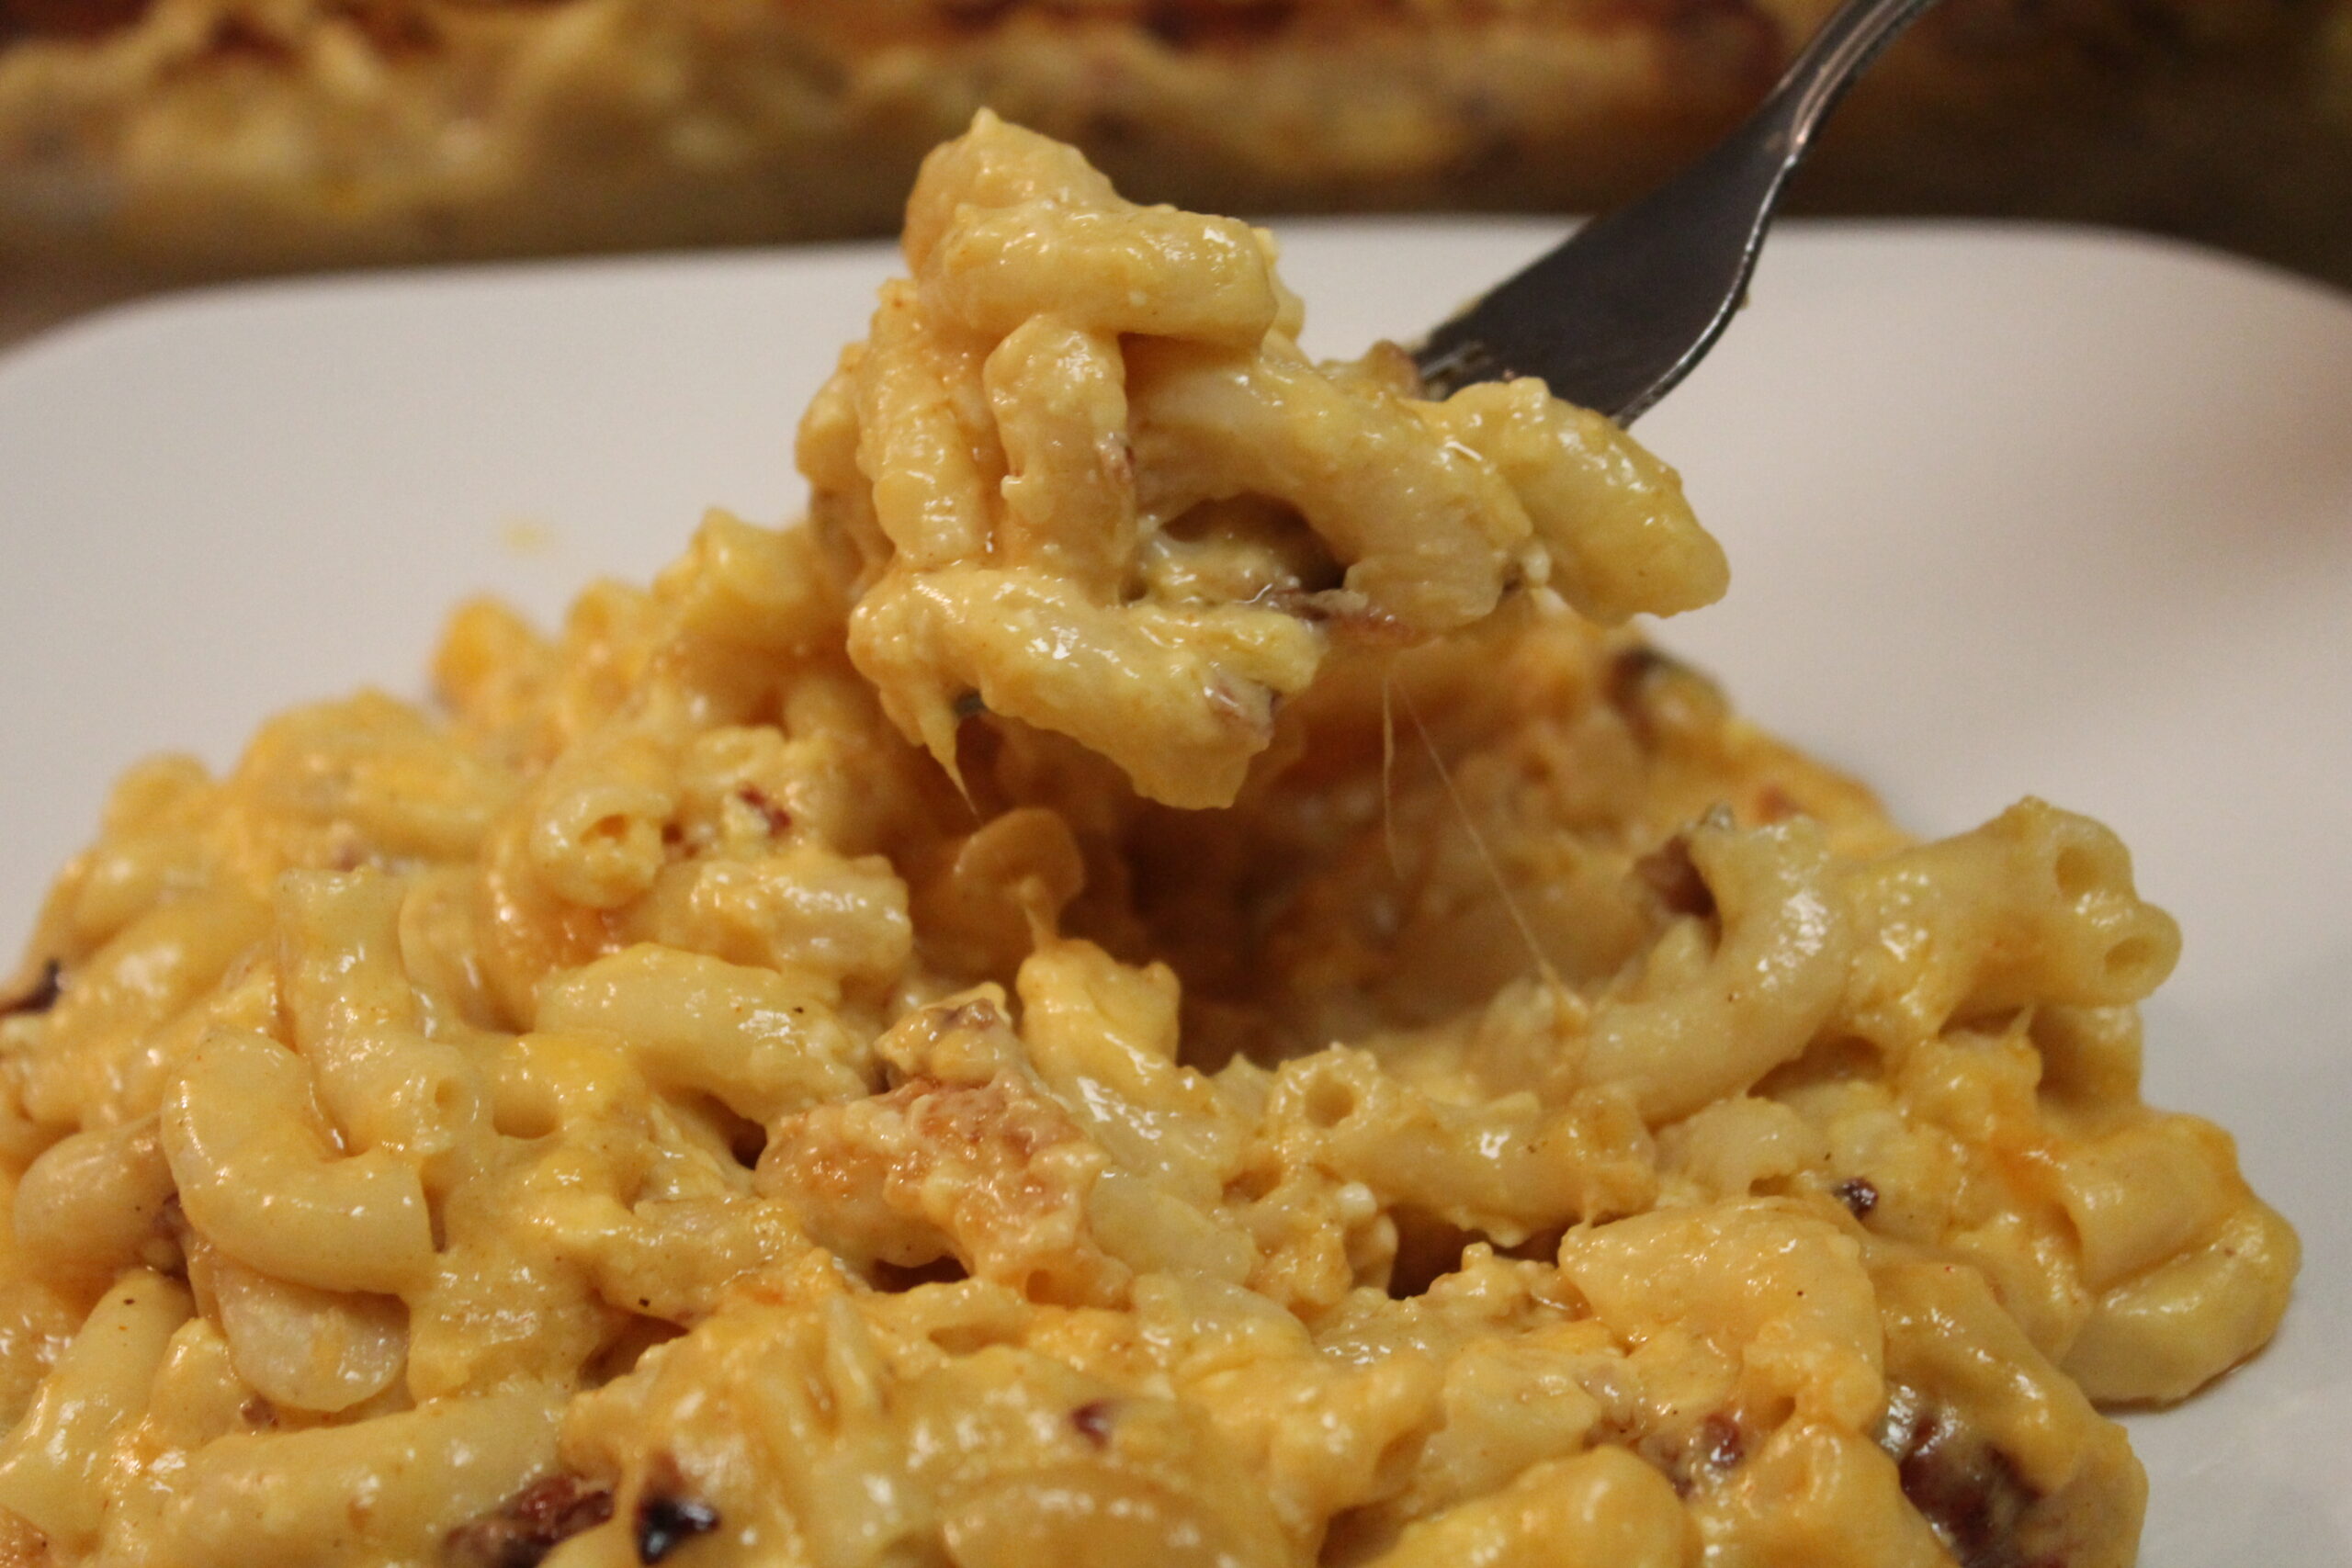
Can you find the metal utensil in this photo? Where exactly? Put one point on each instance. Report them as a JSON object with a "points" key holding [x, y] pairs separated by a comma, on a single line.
{"points": [[1619, 314]]}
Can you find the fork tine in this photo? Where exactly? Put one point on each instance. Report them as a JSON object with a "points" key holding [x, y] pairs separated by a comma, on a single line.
{"points": [[1614, 317]]}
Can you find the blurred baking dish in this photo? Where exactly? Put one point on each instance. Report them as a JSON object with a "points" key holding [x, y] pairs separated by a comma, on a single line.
{"points": [[162, 139]]}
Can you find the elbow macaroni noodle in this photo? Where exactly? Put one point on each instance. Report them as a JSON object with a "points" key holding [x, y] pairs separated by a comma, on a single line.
{"points": [[786, 1072]]}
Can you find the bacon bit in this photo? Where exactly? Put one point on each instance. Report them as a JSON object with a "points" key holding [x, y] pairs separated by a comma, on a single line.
{"points": [[529, 1525], [1092, 1422], [44, 994], [775, 816], [1860, 1195], [1967, 1490], [1721, 1443], [1716, 1446], [1670, 876], [665, 1523]]}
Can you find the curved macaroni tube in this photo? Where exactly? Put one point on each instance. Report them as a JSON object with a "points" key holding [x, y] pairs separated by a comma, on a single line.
{"points": [[1428, 530], [1193, 690], [359, 1495], [1611, 517], [2146, 1192], [96, 1200], [379, 766], [154, 970], [2037, 906], [1075, 1513], [1134, 269], [356, 1021], [1507, 1169], [52, 1464], [1776, 974], [1600, 1510], [1981, 1411], [1815, 1494], [1102, 1036], [1059, 395], [301, 1348], [1064, 389], [764, 1043], [597, 819], [999, 884], [1154, 272], [2164, 1334], [262, 1183], [525, 931], [741, 594], [1780, 1293], [1006, 166], [1171, 1489], [828, 917], [930, 472]]}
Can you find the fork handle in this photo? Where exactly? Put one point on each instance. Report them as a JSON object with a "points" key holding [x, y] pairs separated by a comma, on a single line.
{"points": [[1855, 34]]}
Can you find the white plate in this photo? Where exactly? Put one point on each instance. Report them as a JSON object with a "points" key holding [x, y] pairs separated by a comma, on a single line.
{"points": [[2010, 511]]}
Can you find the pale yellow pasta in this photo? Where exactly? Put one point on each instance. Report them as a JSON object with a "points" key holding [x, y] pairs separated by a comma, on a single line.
{"points": [[787, 1071], [1603, 1509], [1695, 1027], [764, 1042], [1038, 410], [2155, 1336], [597, 835], [2035, 905], [53, 1465], [259, 1176], [300, 1348], [96, 1200], [355, 1023], [360, 1494]]}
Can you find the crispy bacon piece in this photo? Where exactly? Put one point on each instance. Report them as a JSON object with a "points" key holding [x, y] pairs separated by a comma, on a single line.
{"points": [[666, 1522], [529, 1525], [1860, 1195], [1967, 1489], [49, 986]]}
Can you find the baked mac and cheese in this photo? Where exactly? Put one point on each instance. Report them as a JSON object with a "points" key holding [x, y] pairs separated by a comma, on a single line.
{"points": [[1163, 982]]}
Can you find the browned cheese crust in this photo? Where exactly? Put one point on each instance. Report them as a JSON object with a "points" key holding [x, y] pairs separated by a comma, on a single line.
{"points": [[172, 137]]}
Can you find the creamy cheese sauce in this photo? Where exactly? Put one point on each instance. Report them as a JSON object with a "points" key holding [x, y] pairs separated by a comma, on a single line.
{"points": [[1163, 982]]}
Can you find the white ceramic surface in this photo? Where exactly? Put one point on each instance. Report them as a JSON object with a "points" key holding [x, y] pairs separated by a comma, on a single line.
{"points": [[2010, 511]]}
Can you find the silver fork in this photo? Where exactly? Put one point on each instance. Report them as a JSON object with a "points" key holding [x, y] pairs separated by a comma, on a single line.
{"points": [[1617, 315]]}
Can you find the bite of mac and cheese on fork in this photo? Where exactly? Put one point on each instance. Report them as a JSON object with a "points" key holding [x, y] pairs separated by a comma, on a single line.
{"points": [[1164, 980]]}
